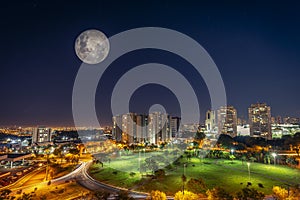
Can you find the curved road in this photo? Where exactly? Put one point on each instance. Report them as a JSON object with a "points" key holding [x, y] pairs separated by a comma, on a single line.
{"points": [[81, 176], [84, 179]]}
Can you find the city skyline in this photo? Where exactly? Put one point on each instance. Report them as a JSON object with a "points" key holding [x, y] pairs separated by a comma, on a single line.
{"points": [[255, 47]]}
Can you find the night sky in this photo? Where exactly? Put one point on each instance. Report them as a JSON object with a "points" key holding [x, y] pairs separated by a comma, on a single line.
{"points": [[256, 47]]}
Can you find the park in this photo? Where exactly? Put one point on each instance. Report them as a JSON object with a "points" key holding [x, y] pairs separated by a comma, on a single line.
{"points": [[173, 171]]}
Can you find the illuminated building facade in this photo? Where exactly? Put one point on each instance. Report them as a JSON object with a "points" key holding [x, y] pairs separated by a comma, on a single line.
{"points": [[227, 120], [138, 128], [159, 128], [211, 121], [260, 120], [41, 134], [174, 126]]}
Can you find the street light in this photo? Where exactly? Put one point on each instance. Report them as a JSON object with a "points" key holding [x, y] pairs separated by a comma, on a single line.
{"points": [[274, 155], [140, 161], [232, 150], [183, 178], [248, 164]]}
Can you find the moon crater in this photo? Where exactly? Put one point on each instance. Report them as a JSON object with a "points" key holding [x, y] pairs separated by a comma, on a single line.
{"points": [[92, 46]]}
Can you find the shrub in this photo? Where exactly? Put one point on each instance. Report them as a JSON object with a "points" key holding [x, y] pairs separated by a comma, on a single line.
{"points": [[160, 173], [250, 193], [157, 195], [196, 185], [132, 174], [187, 195], [218, 194]]}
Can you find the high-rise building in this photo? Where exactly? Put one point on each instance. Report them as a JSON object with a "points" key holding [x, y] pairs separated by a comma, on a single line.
{"points": [[210, 120], [260, 120], [138, 128], [159, 128], [129, 128], [117, 128], [227, 120], [41, 134], [141, 128], [174, 126]]}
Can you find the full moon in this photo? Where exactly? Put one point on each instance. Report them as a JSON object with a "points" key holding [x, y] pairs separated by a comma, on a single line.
{"points": [[92, 46]]}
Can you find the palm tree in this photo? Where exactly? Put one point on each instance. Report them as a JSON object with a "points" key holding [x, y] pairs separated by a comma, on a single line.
{"points": [[252, 159], [243, 158], [232, 157]]}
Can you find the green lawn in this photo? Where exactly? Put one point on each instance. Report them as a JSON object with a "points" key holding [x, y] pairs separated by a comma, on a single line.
{"points": [[231, 176]]}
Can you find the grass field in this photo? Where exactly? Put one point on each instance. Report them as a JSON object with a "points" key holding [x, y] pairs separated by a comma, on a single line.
{"points": [[232, 176]]}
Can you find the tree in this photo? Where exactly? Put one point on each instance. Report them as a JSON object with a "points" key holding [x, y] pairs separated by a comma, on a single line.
{"points": [[232, 157], [226, 141], [57, 151], [187, 195], [218, 193], [157, 195], [243, 158], [250, 193], [74, 151], [25, 196], [123, 195], [199, 137], [160, 173], [291, 161], [5, 194], [280, 193], [295, 192], [196, 185], [43, 197], [101, 194], [80, 147], [252, 159], [283, 194]]}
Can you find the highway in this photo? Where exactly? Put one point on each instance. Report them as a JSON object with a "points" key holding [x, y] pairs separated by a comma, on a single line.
{"points": [[82, 177], [19, 183]]}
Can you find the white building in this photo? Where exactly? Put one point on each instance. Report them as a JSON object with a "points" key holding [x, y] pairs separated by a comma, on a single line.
{"points": [[279, 130], [41, 134], [139, 128], [243, 130], [211, 121], [158, 128]]}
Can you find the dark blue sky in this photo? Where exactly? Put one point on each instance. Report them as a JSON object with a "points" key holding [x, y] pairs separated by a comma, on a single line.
{"points": [[256, 46]]}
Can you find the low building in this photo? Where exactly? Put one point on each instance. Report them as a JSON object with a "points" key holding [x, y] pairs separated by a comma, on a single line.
{"points": [[243, 130], [279, 130]]}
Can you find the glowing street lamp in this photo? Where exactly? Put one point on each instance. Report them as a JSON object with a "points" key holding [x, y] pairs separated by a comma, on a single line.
{"points": [[183, 177], [140, 165], [232, 150], [248, 164], [274, 155]]}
